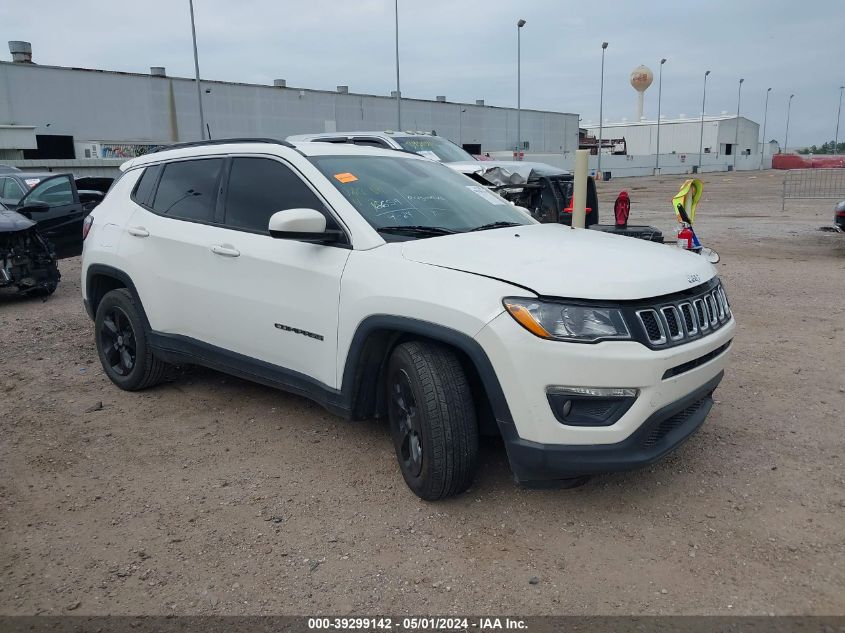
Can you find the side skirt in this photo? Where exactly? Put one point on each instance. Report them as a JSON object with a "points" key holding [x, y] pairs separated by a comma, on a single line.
{"points": [[176, 349]]}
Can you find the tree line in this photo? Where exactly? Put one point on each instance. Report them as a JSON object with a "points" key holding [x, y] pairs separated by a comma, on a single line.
{"points": [[824, 148]]}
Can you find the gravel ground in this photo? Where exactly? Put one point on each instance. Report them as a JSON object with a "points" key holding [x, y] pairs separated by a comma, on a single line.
{"points": [[210, 495]]}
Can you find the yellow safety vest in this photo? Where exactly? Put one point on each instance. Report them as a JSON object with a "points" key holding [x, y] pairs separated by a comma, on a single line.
{"points": [[688, 197]]}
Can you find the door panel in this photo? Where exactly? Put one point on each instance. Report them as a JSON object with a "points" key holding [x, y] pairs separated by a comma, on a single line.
{"points": [[62, 223], [278, 301], [284, 293], [168, 248]]}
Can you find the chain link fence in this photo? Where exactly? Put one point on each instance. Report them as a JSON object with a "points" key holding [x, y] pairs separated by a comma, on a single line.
{"points": [[818, 184]]}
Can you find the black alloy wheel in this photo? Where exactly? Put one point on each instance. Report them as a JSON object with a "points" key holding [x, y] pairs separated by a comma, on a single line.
{"points": [[117, 340], [403, 409]]}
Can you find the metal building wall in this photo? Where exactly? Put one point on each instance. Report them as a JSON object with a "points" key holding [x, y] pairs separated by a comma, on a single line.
{"points": [[683, 137], [122, 107]]}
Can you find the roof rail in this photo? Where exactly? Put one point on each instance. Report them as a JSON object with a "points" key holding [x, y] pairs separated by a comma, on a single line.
{"points": [[224, 141]]}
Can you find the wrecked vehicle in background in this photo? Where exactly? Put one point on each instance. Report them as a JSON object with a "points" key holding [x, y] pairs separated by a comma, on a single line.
{"points": [[545, 191], [59, 205], [28, 263]]}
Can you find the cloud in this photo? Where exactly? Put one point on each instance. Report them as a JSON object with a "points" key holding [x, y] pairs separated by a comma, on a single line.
{"points": [[466, 49]]}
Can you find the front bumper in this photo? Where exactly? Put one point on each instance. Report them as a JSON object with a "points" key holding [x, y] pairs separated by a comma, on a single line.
{"points": [[666, 429], [674, 388]]}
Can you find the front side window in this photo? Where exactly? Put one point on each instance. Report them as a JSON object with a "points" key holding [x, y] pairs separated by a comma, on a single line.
{"points": [[188, 189], [434, 147], [258, 187], [393, 193], [55, 192]]}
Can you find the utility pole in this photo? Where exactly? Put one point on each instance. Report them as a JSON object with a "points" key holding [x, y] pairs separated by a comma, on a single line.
{"points": [[398, 92], [701, 136], [736, 127], [519, 26], [601, 105], [197, 70], [838, 115], [788, 111], [659, 97], [765, 115]]}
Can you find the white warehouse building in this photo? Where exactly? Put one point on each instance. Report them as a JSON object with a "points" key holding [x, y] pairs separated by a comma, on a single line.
{"points": [[683, 136]]}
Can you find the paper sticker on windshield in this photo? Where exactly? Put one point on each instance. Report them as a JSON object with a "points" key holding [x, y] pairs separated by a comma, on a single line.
{"points": [[484, 193], [429, 154], [31, 182], [346, 177]]}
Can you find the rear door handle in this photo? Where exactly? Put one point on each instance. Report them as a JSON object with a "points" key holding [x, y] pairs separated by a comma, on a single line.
{"points": [[225, 250], [138, 231]]}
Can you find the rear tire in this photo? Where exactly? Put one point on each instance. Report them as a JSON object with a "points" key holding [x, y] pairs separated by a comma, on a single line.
{"points": [[123, 343], [432, 419]]}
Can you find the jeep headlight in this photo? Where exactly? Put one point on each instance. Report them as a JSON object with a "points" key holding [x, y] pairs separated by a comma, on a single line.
{"points": [[566, 322]]}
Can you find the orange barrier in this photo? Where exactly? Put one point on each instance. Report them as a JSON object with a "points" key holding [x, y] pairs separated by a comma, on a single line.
{"points": [[797, 161]]}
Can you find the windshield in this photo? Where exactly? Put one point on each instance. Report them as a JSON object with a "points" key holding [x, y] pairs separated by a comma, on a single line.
{"points": [[434, 147], [393, 192]]}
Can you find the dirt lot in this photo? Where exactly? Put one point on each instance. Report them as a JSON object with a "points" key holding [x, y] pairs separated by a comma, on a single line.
{"points": [[212, 495]]}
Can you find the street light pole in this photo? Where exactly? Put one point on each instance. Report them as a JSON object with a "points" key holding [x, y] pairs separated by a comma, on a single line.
{"points": [[659, 97], [519, 26], [765, 115], [788, 109], [197, 70], [398, 93], [701, 135], [838, 115], [601, 105], [736, 126]]}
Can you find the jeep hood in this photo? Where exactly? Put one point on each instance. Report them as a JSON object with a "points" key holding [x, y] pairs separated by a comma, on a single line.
{"points": [[557, 261]]}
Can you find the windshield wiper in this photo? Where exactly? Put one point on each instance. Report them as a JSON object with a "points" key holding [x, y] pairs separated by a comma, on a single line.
{"points": [[417, 229], [495, 225]]}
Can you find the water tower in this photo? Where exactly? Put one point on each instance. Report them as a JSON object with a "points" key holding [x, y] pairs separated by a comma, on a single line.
{"points": [[641, 78]]}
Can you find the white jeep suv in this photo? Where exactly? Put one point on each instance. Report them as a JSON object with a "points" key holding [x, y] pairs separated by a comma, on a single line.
{"points": [[385, 284]]}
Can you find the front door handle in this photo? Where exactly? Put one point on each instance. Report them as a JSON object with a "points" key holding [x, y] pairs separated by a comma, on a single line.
{"points": [[226, 250], [138, 231]]}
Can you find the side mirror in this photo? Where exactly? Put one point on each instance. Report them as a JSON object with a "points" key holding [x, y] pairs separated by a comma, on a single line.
{"points": [[303, 225], [36, 206]]}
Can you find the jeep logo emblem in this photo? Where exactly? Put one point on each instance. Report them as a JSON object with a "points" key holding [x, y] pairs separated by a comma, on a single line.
{"points": [[693, 279]]}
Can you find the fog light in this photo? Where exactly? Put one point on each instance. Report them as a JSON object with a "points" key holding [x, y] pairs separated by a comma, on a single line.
{"points": [[590, 406]]}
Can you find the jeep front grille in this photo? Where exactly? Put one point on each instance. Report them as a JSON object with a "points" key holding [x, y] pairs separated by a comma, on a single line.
{"points": [[677, 322]]}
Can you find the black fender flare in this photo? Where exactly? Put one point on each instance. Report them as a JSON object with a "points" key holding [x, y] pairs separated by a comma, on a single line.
{"points": [[433, 331], [103, 270]]}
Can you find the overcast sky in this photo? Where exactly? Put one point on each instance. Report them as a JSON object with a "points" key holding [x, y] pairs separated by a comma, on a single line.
{"points": [[466, 49]]}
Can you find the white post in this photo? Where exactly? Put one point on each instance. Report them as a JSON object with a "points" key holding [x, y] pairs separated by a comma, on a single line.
{"points": [[579, 195]]}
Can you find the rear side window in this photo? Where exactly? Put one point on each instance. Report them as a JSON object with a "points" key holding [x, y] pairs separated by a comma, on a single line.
{"points": [[144, 187], [188, 189], [258, 187], [11, 189]]}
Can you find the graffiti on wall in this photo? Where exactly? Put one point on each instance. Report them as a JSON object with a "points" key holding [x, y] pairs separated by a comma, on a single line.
{"points": [[127, 150]]}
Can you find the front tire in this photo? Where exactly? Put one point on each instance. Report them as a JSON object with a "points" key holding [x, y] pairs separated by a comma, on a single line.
{"points": [[123, 344], [432, 419]]}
